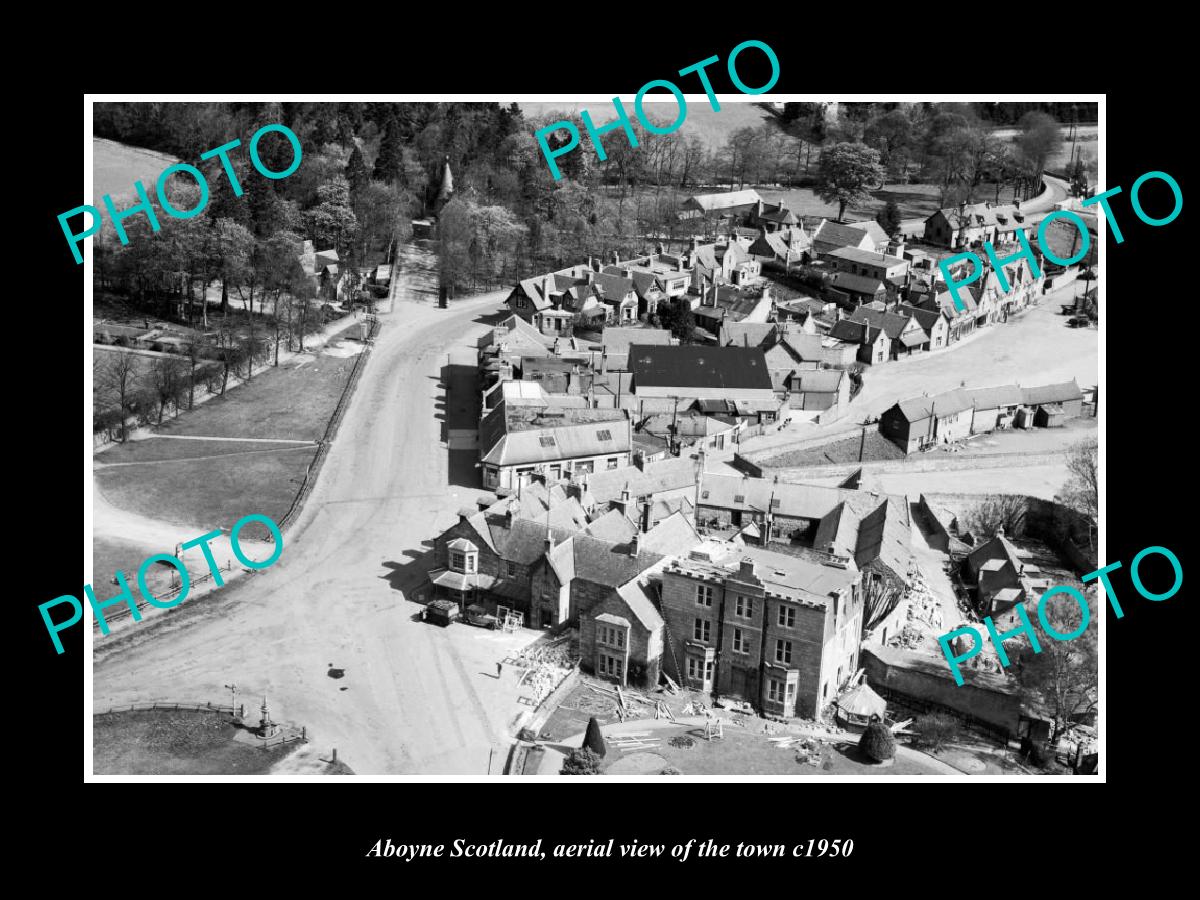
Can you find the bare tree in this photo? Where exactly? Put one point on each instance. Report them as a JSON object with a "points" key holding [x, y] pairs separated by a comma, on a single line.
{"points": [[167, 383], [1082, 491], [194, 350], [1002, 511], [1064, 677], [122, 385]]}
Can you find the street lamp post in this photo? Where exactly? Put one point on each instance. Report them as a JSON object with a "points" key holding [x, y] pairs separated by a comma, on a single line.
{"points": [[233, 689]]}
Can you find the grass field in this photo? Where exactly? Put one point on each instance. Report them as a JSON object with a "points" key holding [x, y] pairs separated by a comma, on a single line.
{"points": [[169, 742], [711, 127], [876, 447], [115, 167], [213, 483]]}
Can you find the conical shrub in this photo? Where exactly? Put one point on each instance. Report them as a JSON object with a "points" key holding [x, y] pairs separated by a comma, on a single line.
{"points": [[877, 741], [594, 740]]}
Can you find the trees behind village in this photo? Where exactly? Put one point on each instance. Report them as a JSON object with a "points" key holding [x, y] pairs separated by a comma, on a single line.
{"points": [[847, 173], [1082, 491]]}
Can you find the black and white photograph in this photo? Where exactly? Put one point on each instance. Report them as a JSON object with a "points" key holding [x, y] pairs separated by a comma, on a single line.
{"points": [[513, 437]]}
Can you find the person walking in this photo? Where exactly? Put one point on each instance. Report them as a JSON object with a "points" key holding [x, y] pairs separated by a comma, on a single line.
{"points": [[499, 669]]}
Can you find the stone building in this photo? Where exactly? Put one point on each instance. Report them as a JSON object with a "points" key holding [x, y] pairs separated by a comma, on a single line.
{"points": [[622, 637], [776, 630]]}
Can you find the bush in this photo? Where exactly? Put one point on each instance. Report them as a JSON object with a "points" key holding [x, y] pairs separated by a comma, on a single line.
{"points": [[670, 770], [594, 739], [581, 762], [878, 742], [156, 346], [1041, 755], [935, 730]]}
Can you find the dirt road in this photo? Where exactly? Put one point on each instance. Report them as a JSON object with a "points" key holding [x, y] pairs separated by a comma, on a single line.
{"points": [[412, 698]]}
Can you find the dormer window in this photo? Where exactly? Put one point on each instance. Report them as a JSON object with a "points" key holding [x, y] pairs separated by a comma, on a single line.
{"points": [[464, 557]]}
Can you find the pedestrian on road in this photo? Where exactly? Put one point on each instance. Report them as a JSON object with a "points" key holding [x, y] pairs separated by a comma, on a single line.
{"points": [[499, 669]]}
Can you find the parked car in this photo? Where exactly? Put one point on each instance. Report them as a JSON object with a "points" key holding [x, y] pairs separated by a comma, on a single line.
{"points": [[477, 615], [441, 612], [1079, 322]]}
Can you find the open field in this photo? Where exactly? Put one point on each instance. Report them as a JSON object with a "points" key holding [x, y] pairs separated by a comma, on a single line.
{"points": [[711, 127], [116, 167], [176, 742]]}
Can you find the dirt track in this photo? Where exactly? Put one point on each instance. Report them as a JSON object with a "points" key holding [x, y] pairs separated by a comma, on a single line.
{"points": [[415, 699]]}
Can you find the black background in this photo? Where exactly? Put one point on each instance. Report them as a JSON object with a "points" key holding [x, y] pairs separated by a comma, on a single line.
{"points": [[927, 836]]}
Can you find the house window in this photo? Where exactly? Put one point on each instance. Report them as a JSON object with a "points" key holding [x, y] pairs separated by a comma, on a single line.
{"points": [[783, 652], [612, 463], [458, 562], [791, 689], [701, 630], [610, 665], [614, 637], [511, 569], [787, 616], [704, 595], [774, 690], [744, 607], [604, 435], [740, 643], [585, 466]]}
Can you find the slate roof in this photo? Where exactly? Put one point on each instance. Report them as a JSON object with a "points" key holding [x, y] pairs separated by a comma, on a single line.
{"points": [[866, 257], [858, 284], [1051, 393], [614, 526], [636, 595], [617, 340], [710, 202], [926, 318], [995, 397], [831, 235], [653, 478], [874, 229], [746, 334], [817, 380], [948, 403], [512, 435], [893, 325], [693, 367], [854, 332]]}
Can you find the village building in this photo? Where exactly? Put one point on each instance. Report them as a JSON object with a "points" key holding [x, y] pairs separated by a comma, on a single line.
{"points": [[904, 333], [818, 390], [933, 322], [874, 530], [922, 421], [517, 441], [971, 224], [858, 289], [789, 247], [1001, 575], [773, 217], [615, 343], [872, 344], [696, 373], [994, 407], [621, 638], [878, 266], [732, 205], [778, 631], [1053, 404], [829, 236]]}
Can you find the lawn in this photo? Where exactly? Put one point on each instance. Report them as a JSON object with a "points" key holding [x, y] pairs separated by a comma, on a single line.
{"points": [[875, 448], [175, 742], [751, 754], [208, 493], [111, 555], [155, 449], [115, 167]]}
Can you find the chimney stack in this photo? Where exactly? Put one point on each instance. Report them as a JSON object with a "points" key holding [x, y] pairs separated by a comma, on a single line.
{"points": [[635, 544], [746, 569]]}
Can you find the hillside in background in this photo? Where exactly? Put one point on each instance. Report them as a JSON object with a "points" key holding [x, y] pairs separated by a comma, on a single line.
{"points": [[116, 167]]}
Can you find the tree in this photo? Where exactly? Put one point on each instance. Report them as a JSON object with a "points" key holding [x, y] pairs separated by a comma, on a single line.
{"points": [[229, 248], [594, 739], [195, 350], [121, 384], [678, 318], [877, 741], [1082, 491], [889, 218], [1003, 511], [168, 384], [332, 222], [583, 761], [845, 173], [935, 731], [1063, 679], [1038, 139], [357, 175]]}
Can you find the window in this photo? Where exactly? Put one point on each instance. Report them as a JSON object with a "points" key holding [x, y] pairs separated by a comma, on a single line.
{"points": [[701, 630], [511, 569], [704, 595], [787, 616], [739, 498], [740, 643], [744, 607], [774, 690], [614, 637], [604, 435], [791, 689], [612, 463], [693, 667], [458, 562], [547, 440], [783, 652], [585, 466], [470, 562]]}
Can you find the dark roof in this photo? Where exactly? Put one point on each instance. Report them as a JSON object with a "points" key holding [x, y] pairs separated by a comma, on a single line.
{"points": [[855, 332], [691, 366], [918, 408], [859, 284], [1051, 393], [892, 324], [926, 318], [838, 235]]}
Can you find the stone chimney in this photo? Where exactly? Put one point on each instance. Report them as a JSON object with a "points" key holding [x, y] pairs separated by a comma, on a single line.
{"points": [[616, 258], [549, 542], [758, 207], [591, 276], [679, 263], [635, 544], [746, 569]]}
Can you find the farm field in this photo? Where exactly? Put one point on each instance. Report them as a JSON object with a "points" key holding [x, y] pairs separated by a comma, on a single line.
{"points": [[115, 167]]}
